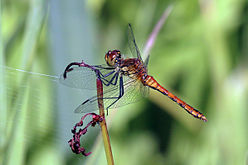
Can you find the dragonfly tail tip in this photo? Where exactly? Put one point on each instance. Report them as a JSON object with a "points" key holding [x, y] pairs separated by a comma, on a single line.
{"points": [[204, 119]]}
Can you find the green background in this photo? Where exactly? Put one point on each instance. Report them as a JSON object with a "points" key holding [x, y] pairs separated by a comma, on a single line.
{"points": [[201, 55]]}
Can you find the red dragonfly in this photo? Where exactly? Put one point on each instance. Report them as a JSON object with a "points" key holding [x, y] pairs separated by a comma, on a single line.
{"points": [[125, 80]]}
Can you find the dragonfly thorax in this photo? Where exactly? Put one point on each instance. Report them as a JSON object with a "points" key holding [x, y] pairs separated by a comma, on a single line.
{"points": [[112, 57]]}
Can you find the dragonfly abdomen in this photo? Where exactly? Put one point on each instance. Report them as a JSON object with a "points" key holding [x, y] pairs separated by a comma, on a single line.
{"points": [[151, 82]]}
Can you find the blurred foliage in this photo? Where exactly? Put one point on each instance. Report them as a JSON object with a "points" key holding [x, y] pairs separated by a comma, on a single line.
{"points": [[201, 55]]}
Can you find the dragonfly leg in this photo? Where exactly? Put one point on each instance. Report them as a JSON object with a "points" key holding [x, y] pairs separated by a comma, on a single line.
{"points": [[102, 67], [108, 74], [102, 76], [104, 80], [120, 94], [113, 80], [110, 82]]}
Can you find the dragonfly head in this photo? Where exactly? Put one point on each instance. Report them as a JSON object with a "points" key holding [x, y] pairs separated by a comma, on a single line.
{"points": [[112, 57]]}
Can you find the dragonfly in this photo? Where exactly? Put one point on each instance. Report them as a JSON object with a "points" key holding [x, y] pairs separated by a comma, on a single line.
{"points": [[125, 80]]}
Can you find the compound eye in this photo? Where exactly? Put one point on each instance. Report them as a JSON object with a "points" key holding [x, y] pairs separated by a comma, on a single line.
{"points": [[110, 58]]}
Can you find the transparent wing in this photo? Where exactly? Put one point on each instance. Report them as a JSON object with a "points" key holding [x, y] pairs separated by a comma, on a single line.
{"points": [[133, 91], [132, 43], [144, 90], [147, 61], [82, 78]]}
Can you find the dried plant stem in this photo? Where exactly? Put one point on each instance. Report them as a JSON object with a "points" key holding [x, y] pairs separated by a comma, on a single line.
{"points": [[103, 124], [151, 40]]}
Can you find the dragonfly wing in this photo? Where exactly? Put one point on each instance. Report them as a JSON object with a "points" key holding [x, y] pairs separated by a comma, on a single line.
{"points": [[89, 105], [110, 94], [144, 90], [133, 91], [82, 78], [147, 61], [132, 43]]}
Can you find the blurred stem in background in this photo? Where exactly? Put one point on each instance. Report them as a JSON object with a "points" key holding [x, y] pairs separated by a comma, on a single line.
{"points": [[24, 119], [3, 94]]}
